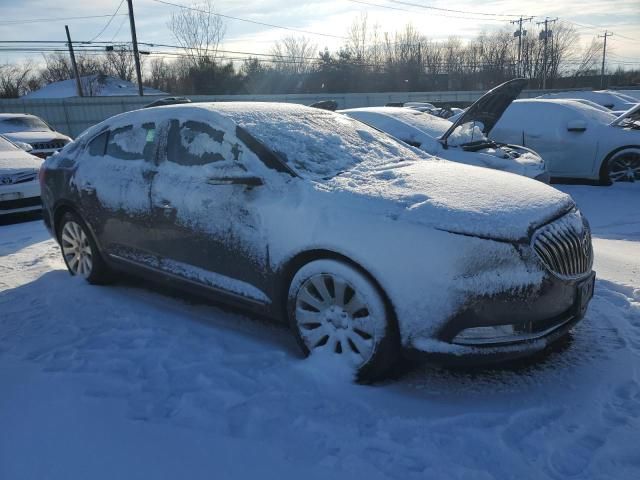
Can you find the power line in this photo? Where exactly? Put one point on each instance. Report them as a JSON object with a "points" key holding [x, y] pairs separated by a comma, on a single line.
{"points": [[109, 22], [255, 22], [55, 19], [389, 7], [428, 7]]}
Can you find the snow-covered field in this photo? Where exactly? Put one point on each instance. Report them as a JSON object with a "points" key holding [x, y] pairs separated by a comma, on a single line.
{"points": [[127, 382]]}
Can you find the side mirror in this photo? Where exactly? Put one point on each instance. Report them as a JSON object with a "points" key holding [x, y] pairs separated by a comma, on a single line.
{"points": [[576, 125], [247, 181]]}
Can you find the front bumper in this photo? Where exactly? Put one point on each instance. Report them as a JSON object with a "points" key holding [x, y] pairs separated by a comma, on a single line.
{"points": [[19, 198], [526, 324]]}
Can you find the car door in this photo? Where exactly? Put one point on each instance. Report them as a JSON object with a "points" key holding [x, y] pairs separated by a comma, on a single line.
{"points": [[205, 198], [545, 128], [113, 181]]}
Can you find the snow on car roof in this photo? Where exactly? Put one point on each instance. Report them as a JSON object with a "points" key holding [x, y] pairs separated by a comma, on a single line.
{"points": [[573, 104]]}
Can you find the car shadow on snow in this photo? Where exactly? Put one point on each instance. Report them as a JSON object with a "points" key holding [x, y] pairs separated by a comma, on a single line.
{"points": [[30, 231]]}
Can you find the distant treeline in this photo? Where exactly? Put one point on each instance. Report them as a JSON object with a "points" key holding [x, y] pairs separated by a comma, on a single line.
{"points": [[369, 61]]}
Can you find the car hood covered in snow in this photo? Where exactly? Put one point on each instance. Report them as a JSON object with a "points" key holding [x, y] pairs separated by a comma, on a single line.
{"points": [[17, 160], [457, 198]]}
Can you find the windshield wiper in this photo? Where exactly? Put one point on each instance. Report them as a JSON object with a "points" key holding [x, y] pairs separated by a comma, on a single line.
{"points": [[479, 145]]}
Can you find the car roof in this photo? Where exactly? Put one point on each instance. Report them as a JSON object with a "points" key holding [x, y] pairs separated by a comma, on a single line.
{"points": [[16, 115]]}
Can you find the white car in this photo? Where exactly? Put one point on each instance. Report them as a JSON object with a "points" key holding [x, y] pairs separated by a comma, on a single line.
{"points": [[20, 127], [606, 98], [19, 187], [576, 140], [463, 141]]}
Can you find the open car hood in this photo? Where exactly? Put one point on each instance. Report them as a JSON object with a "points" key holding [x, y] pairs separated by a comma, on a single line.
{"points": [[633, 112], [489, 108]]}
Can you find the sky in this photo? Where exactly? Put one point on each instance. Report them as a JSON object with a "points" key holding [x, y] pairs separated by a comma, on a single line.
{"points": [[326, 20]]}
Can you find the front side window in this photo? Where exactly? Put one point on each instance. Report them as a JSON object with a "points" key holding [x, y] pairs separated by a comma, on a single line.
{"points": [[132, 142], [192, 143]]}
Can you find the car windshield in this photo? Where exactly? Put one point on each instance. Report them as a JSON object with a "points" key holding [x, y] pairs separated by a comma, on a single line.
{"points": [[319, 144], [22, 124], [6, 146]]}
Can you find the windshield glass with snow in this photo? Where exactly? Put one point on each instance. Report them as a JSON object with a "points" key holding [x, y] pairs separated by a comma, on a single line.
{"points": [[316, 143], [6, 146], [22, 124]]}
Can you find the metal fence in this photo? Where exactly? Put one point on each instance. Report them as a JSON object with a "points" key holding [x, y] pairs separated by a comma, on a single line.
{"points": [[73, 115]]}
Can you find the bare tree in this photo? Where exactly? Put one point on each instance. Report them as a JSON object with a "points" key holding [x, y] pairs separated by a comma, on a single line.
{"points": [[58, 67], [294, 55], [120, 63], [16, 80], [589, 59], [199, 31]]}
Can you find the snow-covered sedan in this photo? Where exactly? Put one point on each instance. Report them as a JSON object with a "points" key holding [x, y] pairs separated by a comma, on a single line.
{"points": [[464, 140], [19, 187], [32, 130], [613, 100], [576, 140], [364, 245]]}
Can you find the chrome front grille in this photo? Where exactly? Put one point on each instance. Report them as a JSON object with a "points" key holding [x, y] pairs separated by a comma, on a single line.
{"points": [[53, 145], [564, 246]]}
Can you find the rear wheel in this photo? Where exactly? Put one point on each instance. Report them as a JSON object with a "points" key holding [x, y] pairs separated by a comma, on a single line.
{"points": [[624, 167], [335, 309], [79, 250]]}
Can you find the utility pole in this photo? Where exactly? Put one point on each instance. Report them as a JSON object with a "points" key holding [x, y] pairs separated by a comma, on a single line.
{"points": [[74, 65], [544, 35], [604, 55], [519, 33], [134, 41]]}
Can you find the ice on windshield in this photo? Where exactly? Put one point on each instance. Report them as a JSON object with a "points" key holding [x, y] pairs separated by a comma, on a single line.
{"points": [[317, 143], [22, 124]]}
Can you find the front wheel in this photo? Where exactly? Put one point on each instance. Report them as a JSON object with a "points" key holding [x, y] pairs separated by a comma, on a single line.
{"points": [[79, 250], [623, 167], [336, 310]]}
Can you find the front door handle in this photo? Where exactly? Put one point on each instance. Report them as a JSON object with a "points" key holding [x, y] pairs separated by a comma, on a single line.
{"points": [[89, 189], [167, 209]]}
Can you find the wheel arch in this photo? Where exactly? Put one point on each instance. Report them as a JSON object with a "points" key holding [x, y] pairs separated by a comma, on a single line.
{"points": [[604, 179], [59, 210]]}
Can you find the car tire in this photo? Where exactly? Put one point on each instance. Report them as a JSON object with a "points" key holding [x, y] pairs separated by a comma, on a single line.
{"points": [[79, 250], [336, 309], [622, 167]]}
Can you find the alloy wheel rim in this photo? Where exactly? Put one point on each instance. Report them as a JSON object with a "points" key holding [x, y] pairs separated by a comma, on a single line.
{"points": [[76, 249], [333, 317], [625, 168]]}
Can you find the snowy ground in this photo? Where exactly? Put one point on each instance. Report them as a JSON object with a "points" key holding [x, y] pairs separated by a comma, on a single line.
{"points": [[127, 382]]}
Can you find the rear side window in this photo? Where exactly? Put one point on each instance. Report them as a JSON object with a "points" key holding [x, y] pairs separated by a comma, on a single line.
{"points": [[196, 143], [132, 142]]}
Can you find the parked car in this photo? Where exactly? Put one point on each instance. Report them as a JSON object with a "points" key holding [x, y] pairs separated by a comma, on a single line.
{"points": [[610, 99], [44, 140], [576, 141], [464, 140], [19, 187], [364, 245]]}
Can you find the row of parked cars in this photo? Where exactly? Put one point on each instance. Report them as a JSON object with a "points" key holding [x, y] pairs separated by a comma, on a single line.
{"points": [[369, 247]]}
